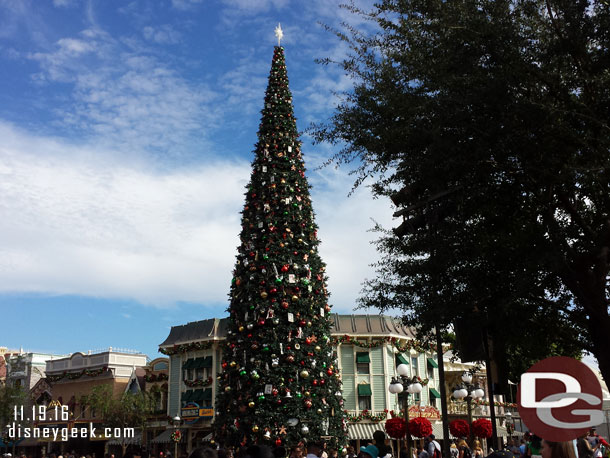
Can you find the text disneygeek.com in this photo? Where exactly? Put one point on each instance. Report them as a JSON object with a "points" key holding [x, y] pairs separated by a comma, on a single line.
{"points": [[15, 430]]}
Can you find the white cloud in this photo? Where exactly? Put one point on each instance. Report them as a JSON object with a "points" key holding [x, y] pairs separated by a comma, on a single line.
{"points": [[185, 5], [77, 220], [163, 34], [124, 94]]}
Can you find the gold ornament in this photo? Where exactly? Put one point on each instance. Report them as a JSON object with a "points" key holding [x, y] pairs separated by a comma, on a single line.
{"points": [[304, 373], [251, 404], [255, 429]]}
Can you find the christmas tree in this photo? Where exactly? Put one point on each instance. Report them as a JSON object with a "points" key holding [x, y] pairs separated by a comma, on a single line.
{"points": [[280, 382]]}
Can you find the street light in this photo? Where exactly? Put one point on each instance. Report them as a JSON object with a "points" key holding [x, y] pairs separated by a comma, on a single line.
{"points": [[176, 422], [397, 386], [468, 391]]}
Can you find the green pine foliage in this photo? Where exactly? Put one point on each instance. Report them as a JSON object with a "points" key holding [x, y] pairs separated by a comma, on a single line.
{"points": [[279, 365]]}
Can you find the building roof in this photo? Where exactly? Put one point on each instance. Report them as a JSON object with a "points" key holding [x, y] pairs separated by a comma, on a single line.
{"points": [[354, 325]]}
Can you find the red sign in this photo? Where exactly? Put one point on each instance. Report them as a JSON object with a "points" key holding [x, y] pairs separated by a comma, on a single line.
{"points": [[560, 399], [429, 412]]}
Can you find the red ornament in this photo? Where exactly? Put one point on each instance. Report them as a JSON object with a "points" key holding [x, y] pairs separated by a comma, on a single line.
{"points": [[329, 371], [285, 305], [308, 340], [308, 403], [482, 428], [396, 427], [459, 428], [420, 427], [285, 268], [315, 382], [278, 442]]}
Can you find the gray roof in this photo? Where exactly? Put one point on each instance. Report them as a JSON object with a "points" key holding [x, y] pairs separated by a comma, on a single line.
{"points": [[353, 325]]}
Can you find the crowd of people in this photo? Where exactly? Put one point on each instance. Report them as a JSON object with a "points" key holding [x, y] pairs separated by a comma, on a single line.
{"points": [[589, 445]]}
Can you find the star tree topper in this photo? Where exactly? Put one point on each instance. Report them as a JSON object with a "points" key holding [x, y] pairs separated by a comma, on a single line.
{"points": [[278, 33]]}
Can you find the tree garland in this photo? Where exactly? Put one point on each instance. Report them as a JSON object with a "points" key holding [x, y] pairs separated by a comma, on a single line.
{"points": [[77, 375], [156, 377], [496, 403], [183, 348], [199, 382], [409, 344], [366, 415]]}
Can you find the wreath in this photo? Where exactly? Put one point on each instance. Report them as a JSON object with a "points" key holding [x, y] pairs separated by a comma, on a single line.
{"points": [[482, 428], [420, 427], [459, 428], [396, 427], [176, 436]]}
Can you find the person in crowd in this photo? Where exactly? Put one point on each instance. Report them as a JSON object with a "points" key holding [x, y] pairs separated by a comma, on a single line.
{"points": [[477, 450], [370, 451], [350, 452], [404, 453], [280, 452], [550, 449], [433, 447], [453, 450], [465, 451], [314, 450], [203, 452], [535, 445], [296, 452], [379, 441], [421, 451], [584, 447]]}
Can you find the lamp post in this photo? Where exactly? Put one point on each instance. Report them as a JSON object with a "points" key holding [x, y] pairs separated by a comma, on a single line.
{"points": [[176, 423], [468, 391], [397, 386]]}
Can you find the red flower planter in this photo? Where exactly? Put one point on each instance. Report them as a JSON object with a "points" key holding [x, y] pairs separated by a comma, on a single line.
{"points": [[482, 428], [420, 427], [459, 428]]}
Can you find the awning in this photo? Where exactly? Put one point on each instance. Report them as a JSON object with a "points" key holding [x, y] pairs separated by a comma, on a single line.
{"points": [[363, 357], [187, 396], [401, 359], [362, 430], [432, 363], [135, 440], [434, 393], [364, 389], [207, 394], [29, 442], [207, 438], [165, 436], [188, 364]]}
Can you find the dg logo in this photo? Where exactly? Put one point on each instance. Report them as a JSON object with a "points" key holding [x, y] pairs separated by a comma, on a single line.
{"points": [[560, 399]]}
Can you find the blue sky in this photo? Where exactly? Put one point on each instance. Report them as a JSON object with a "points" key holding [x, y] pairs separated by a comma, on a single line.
{"points": [[126, 135]]}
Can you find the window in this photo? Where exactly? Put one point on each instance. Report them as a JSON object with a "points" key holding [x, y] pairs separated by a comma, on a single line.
{"points": [[160, 367], [363, 362], [364, 402], [364, 396], [199, 373], [414, 365]]}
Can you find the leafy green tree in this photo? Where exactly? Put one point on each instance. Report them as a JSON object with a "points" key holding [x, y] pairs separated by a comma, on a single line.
{"points": [[279, 382], [486, 121], [129, 410], [11, 397]]}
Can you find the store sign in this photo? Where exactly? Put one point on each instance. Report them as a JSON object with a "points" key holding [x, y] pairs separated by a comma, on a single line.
{"points": [[191, 412], [429, 412], [206, 413]]}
